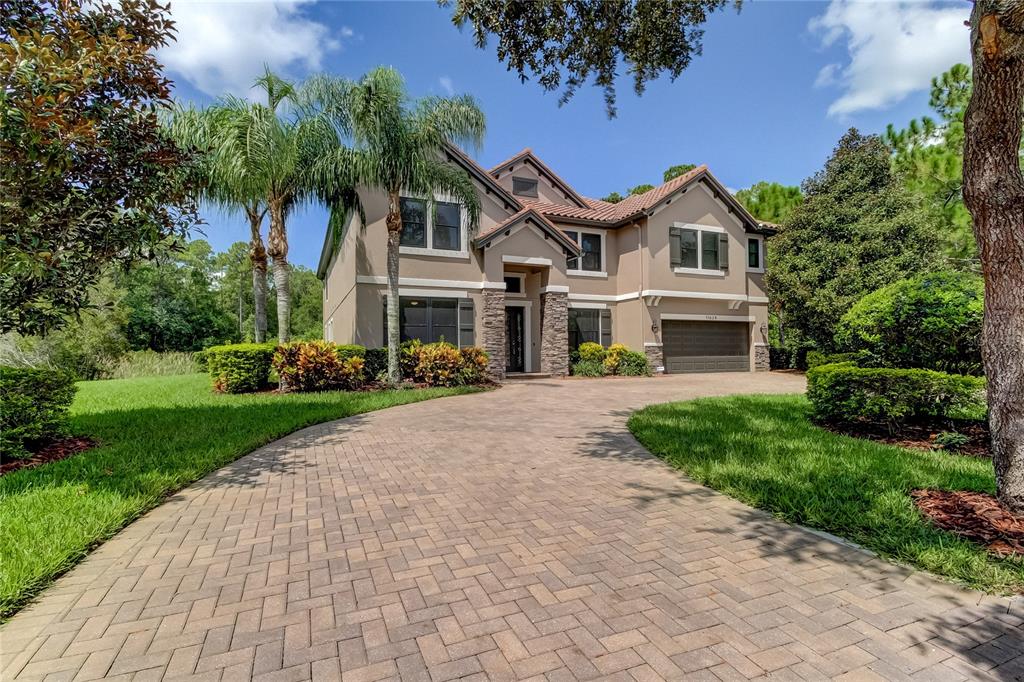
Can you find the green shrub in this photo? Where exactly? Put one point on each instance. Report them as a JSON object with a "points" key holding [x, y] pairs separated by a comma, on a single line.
{"points": [[474, 366], [588, 368], [200, 358], [409, 357], [307, 366], [951, 440], [633, 364], [350, 350], [612, 357], [439, 364], [33, 408], [815, 358], [376, 362], [931, 321], [240, 367], [843, 393], [591, 352]]}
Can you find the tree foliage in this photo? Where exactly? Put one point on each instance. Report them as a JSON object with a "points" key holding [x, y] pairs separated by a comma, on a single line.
{"points": [[640, 189], [566, 44], [88, 179], [857, 230], [673, 172], [770, 201], [613, 198], [670, 173]]}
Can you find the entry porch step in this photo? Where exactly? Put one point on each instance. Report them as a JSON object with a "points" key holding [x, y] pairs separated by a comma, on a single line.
{"points": [[524, 376]]}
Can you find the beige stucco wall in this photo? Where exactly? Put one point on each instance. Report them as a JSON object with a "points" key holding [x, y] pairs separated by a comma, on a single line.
{"points": [[546, 191], [339, 302]]}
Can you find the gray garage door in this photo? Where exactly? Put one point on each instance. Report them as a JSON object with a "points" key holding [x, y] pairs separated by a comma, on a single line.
{"points": [[705, 346]]}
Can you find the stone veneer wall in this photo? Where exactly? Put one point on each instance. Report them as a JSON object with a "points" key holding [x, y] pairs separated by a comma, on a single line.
{"points": [[762, 358], [494, 332], [554, 333], [655, 357]]}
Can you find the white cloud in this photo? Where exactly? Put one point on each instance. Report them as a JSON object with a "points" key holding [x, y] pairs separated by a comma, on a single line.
{"points": [[895, 48], [223, 46], [447, 85]]}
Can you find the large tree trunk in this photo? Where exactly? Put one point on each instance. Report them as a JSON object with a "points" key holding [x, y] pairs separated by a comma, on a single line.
{"points": [[994, 194], [258, 256], [277, 243], [394, 224]]}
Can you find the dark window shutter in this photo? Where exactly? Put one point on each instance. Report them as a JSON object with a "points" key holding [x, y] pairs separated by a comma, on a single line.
{"points": [[465, 322], [675, 242], [723, 251], [606, 328]]}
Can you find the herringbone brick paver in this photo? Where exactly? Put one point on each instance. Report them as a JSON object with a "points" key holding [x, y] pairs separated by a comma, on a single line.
{"points": [[518, 534]]}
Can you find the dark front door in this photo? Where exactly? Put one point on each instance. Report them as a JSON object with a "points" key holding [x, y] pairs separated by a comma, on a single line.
{"points": [[514, 339]]}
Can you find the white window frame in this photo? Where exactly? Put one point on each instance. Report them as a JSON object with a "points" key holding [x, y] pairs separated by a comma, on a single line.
{"points": [[579, 272], [521, 276], [699, 270], [760, 254], [428, 227]]}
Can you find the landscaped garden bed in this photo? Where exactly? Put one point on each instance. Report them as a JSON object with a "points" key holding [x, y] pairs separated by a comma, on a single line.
{"points": [[156, 435], [594, 360]]}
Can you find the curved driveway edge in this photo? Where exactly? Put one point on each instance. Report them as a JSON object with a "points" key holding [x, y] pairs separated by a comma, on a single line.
{"points": [[513, 534]]}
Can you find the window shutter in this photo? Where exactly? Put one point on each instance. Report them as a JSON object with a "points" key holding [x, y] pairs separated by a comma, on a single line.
{"points": [[723, 251], [675, 243], [465, 322], [606, 328]]}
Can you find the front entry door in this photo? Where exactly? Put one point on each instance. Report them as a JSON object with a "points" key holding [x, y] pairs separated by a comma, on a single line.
{"points": [[514, 339]]}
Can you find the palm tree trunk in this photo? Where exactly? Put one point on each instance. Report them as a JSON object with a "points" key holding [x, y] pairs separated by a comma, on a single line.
{"points": [[258, 256], [994, 194], [277, 243], [394, 224]]}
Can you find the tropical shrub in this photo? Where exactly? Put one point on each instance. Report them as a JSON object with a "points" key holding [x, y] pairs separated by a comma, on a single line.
{"points": [[438, 364], [591, 352], [843, 393], [587, 368], [474, 365], [33, 408], [319, 366], [408, 357], [633, 364], [931, 321], [376, 362], [951, 440], [613, 356], [240, 367]]}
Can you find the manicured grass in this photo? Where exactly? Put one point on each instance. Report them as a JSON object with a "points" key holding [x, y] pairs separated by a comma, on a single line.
{"points": [[157, 435], [763, 451]]}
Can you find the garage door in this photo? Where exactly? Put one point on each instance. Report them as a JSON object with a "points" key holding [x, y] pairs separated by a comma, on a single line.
{"points": [[705, 346]]}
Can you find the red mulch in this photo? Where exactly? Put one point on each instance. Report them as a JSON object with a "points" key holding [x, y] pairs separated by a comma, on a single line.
{"points": [[923, 437], [976, 516], [61, 449]]}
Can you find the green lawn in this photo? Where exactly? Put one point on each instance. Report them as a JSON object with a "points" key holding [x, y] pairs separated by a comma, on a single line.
{"points": [[157, 435], [763, 451]]}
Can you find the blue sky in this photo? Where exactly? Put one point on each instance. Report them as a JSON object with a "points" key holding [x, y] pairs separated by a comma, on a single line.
{"points": [[777, 85]]}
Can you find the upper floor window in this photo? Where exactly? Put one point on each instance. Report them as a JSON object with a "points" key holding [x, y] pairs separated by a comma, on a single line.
{"points": [[514, 284], [591, 252], [432, 225], [698, 249], [755, 254], [524, 187]]}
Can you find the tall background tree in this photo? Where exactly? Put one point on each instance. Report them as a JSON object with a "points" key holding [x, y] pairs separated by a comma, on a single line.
{"points": [[88, 178], [670, 173], [566, 44], [770, 201], [397, 146], [994, 194]]}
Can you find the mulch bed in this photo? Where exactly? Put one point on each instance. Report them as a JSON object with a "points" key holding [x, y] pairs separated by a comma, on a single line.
{"points": [[976, 516], [61, 449], [923, 437]]}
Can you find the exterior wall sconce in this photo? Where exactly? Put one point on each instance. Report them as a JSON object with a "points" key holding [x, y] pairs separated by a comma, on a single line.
{"points": [[764, 329], [654, 327]]}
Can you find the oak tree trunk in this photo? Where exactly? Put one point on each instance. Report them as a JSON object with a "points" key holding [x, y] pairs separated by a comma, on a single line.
{"points": [[277, 249], [394, 224], [994, 194], [258, 256]]}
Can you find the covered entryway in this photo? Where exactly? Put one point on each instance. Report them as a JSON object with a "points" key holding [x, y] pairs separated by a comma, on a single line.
{"points": [[692, 346]]}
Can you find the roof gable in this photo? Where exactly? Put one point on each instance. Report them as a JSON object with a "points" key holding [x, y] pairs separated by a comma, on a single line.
{"points": [[529, 216], [527, 156]]}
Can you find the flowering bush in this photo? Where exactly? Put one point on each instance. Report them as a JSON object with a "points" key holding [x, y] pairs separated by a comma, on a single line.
{"points": [[318, 366]]}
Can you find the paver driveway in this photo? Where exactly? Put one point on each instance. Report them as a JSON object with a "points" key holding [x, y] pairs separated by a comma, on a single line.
{"points": [[518, 533]]}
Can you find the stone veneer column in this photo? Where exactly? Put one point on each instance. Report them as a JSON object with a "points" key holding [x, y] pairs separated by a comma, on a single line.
{"points": [[554, 333], [762, 358], [494, 332], [655, 357]]}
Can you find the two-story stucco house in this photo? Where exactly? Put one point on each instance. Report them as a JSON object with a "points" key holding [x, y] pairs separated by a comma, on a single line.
{"points": [[676, 271]]}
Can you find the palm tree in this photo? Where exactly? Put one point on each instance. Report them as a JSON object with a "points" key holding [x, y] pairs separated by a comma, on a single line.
{"points": [[223, 185], [397, 145]]}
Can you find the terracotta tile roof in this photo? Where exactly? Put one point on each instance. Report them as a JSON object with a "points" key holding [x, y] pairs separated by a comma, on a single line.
{"points": [[527, 153], [522, 214]]}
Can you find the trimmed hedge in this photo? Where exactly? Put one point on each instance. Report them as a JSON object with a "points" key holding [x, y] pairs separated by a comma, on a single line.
{"points": [[816, 358], [843, 393], [239, 367], [376, 362], [633, 364], [33, 408], [319, 366]]}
